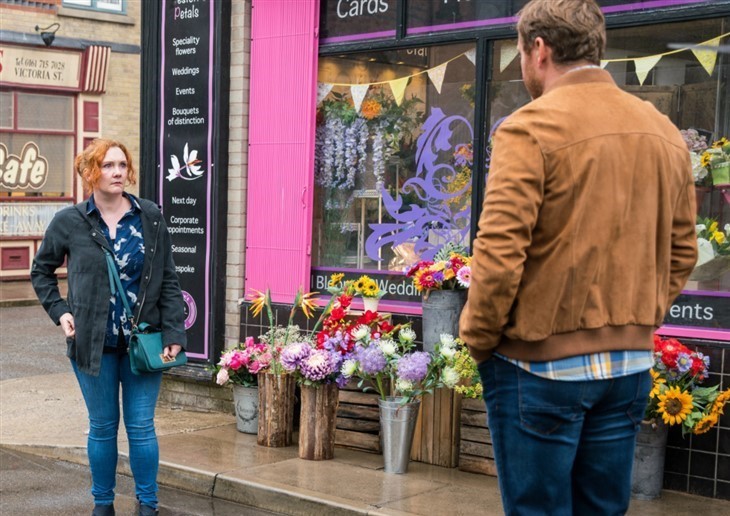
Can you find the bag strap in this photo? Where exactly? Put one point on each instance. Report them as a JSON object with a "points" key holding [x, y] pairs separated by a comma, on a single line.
{"points": [[115, 284]]}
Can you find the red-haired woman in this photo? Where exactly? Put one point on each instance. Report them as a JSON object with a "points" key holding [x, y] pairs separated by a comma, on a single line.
{"points": [[93, 320]]}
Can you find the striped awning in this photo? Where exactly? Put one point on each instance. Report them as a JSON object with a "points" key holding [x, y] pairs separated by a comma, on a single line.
{"points": [[96, 68]]}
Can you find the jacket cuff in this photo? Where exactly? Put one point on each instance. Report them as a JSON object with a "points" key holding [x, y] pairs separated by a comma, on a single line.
{"points": [[170, 338], [58, 310]]}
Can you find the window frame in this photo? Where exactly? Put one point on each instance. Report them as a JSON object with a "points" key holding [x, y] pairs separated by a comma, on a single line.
{"points": [[103, 6]]}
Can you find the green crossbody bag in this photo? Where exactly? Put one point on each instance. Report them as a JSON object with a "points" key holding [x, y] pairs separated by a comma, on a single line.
{"points": [[145, 344]]}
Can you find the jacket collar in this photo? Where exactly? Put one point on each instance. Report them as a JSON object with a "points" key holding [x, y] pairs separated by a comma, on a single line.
{"points": [[584, 76]]}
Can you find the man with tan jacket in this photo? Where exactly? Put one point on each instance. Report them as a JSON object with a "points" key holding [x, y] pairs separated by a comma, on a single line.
{"points": [[587, 235]]}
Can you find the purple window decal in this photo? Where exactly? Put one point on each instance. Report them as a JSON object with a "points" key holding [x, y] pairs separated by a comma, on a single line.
{"points": [[442, 187]]}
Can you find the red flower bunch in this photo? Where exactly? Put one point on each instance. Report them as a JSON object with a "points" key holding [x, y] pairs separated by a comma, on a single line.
{"points": [[450, 270], [337, 329], [677, 360]]}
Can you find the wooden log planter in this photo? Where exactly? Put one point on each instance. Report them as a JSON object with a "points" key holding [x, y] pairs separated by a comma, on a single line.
{"points": [[475, 451], [317, 422], [436, 440], [276, 409]]}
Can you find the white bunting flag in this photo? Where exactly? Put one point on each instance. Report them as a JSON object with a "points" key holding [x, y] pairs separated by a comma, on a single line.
{"points": [[399, 88], [358, 92], [437, 76], [644, 66], [506, 55], [707, 58], [604, 62], [323, 89], [471, 55]]}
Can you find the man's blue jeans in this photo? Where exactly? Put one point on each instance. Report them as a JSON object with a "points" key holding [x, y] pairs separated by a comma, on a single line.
{"points": [[139, 396], [563, 447]]}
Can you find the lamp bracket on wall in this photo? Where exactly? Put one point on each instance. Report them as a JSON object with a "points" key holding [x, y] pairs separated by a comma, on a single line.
{"points": [[48, 35]]}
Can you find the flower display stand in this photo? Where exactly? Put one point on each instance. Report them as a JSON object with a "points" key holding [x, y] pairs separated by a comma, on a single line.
{"points": [[441, 312], [317, 422], [436, 439], [475, 449], [358, 419], [647, 475], [246, 402], [276, 409]]}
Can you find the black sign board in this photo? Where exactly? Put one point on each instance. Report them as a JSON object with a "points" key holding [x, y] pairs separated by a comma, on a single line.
{"points": [[696, 310], [185, 179], [349, 20], [396, 285]]}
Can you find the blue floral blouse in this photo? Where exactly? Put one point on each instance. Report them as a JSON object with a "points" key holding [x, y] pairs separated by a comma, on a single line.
{"points": [[129, 255]]}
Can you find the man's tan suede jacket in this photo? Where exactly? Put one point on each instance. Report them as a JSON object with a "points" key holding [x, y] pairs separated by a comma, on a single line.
{"points": [[587, 232]]}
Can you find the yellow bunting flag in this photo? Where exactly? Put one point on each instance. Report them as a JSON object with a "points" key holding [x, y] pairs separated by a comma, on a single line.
{"points": [[437, 76], [707, 58], [399, 88], [471, 55], [507, 54], [358, 92], [644, 66], [323, 89]]}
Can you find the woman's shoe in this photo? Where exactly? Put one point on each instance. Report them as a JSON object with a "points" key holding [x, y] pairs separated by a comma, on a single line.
{"points": [[146, 510], [103, 510]]}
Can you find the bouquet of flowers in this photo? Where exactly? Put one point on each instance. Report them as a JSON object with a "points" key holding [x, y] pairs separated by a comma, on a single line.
{"points": [[241, 364], [676, 396], [390, 363], [716, 159], [697, 144], [470, 384], [364, 286], [713, 246], [450, 270]]}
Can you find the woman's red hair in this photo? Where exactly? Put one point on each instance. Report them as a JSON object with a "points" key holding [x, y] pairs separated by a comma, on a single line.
{"points": [[88, 163]]}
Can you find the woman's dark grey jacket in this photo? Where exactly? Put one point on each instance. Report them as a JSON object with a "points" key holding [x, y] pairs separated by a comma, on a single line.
{"points": [[75, 235]]}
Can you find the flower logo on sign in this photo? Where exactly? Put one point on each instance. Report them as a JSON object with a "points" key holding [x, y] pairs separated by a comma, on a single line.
{"points": [[189, 170]]}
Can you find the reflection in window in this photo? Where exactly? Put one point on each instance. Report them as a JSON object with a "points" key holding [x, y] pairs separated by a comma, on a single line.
{"points": [[688, 87], [393, 156]]}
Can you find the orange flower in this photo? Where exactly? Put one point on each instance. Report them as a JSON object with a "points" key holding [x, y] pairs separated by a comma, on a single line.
{"points": [[370, 109]]}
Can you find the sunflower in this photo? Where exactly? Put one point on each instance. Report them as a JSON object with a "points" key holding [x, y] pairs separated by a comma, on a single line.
{"points": [[360, 284], [704, 424], [719, 144], [674, 405], [336, 278], [719, 405], [705, 159], [370, 290]]}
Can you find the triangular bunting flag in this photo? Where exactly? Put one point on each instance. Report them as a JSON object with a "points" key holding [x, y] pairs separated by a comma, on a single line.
{"points": [[358, 92], [644, 66], [506, 55], [323, 89], [707, 58], [399, 88], [604, 63], [437, 76], [471, 55]]}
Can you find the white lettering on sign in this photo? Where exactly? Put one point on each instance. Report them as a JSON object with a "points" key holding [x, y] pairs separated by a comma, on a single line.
{"points": [[353, 8], [29, 170], [698, 312]]}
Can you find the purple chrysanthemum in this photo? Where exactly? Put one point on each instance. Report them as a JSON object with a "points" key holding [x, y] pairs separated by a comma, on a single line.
{"points": [[413, 366], [292, 355], [372, 360], [318, 365]]}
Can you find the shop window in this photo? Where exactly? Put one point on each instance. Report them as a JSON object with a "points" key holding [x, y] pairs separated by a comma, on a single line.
{"points": [[117, 6], [393, 156], [690, 86], [36, 146]]}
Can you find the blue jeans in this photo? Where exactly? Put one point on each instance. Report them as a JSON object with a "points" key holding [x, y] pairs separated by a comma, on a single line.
{"points": [[562, 447], [139, 396]]}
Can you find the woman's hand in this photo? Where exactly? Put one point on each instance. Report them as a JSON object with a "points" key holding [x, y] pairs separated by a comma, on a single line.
{"points": [[68, 325], [172, 350]]}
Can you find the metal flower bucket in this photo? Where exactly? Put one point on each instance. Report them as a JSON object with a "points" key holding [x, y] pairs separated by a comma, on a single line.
{"points": [[397, 425]]}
